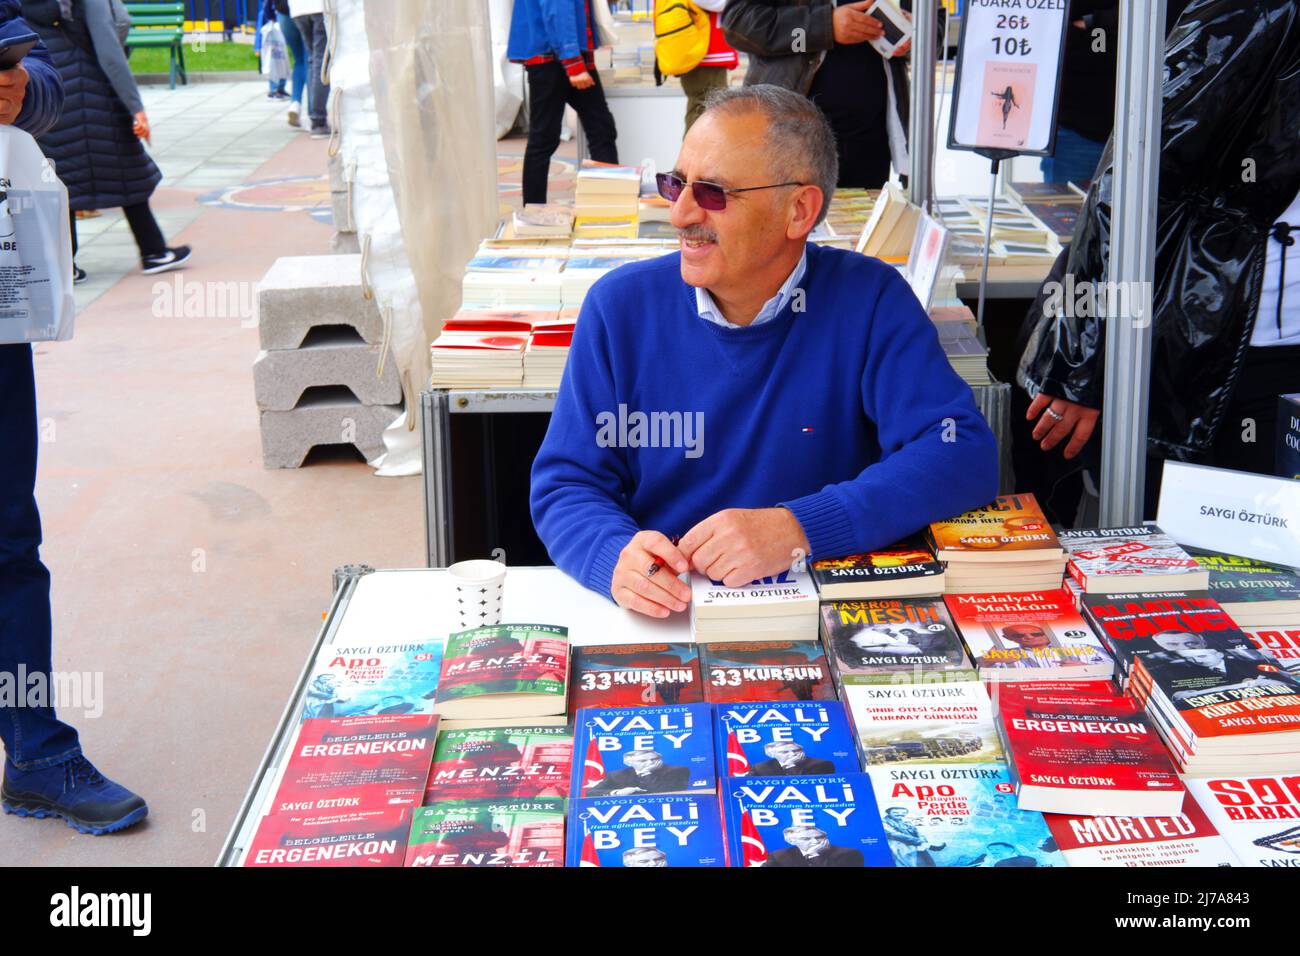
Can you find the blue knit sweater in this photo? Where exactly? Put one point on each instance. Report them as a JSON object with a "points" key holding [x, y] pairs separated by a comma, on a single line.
{"points": [[845, 411]]}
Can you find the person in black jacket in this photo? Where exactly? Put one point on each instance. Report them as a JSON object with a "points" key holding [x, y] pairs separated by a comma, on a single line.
{"points": [[45, 774], [95, 147], [1229, 174]]}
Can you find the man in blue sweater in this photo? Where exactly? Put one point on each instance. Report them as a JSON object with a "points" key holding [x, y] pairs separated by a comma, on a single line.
{"points": [[752, 397]]}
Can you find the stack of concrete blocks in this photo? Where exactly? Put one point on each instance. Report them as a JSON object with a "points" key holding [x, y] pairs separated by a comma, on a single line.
{"points": [[316, 380], [345, 225]]}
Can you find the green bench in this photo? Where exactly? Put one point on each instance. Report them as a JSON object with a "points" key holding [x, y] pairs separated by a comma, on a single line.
{"points": [[160, 25]]}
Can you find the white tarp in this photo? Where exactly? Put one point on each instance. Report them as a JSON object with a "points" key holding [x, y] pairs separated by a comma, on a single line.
{"points": [[411, 100]]}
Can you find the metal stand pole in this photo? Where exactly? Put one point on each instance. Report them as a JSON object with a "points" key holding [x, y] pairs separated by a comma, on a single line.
{"points": [[988, 242], [920, 134], [1131, 266]]}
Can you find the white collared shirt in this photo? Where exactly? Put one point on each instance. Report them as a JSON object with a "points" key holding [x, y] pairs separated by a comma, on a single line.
{"points": [[709, 310], [1266, 331]]}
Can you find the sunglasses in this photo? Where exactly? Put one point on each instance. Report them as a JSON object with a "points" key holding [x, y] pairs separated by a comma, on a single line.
{"points": [[708, 196]]}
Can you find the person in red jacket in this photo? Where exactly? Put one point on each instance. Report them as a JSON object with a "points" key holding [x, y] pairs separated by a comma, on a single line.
{"points": [[711, 74]]}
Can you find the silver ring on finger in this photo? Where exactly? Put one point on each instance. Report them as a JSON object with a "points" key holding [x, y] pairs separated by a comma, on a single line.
{"points": [[1055, 414]]}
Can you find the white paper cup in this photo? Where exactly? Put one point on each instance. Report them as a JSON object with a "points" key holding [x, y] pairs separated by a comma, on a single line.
{"points": [[479, 585]]}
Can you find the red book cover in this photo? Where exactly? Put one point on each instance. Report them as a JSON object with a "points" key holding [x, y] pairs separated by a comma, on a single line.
{"points": [[331, 837], [1073, 737], [635, 675], [1183, 643], [744, 671], [381, 759], [1187, 839]]}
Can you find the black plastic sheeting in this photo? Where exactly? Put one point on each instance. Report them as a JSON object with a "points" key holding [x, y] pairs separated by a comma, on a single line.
{"points": [[1229, 167]]}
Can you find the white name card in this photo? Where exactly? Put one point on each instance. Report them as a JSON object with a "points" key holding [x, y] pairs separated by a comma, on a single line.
{"points": [[1255, 516]]}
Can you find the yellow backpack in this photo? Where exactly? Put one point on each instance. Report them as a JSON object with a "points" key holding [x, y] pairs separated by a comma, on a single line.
{"points": [[681, 36]]}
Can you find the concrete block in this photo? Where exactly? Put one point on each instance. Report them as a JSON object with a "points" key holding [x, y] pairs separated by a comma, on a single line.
{"points": [[299, 293], [345, 243], [323, 419], [342, 212], [329, 356]]}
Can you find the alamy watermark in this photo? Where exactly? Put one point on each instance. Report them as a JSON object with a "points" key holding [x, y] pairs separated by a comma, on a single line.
{"points": [[181, 298], [73, 690], [638, 429], [1088, 299]]}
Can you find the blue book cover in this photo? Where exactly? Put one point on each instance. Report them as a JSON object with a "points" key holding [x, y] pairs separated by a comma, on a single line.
{"points": [[352, 679], [784, 738], [804, 822], [960, 816], [652, 830], [626, 751]]}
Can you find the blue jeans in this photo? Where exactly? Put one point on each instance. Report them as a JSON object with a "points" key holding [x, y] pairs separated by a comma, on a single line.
{"points": [[297, 53], [32, 735], [1075, 158], [312, 28]]}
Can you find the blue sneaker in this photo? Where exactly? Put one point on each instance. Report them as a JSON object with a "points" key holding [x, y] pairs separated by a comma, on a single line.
{"points": [[75, 791]]}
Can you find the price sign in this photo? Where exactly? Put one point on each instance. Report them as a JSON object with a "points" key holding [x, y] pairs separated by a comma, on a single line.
{"points": [[1008, 76]]}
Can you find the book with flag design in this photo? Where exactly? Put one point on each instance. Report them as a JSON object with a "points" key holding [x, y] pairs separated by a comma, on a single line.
{"points": [[501, 763], [784, 739], [651, 830], [510, 833], [627, 751], [822, 821]]}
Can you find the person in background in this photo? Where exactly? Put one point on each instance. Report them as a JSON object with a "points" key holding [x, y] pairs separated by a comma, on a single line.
{"points": [[1225, 330], [96, 144], [309, 18], [45, 774], [555, 41], [276, 88], [298, 56], [864, 96], [1087, 106], [711, 74]]}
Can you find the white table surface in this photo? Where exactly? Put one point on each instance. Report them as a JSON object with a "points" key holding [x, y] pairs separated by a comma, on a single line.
{"points": [[417, 605]]}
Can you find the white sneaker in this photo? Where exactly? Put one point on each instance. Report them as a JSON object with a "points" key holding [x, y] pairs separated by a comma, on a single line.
{"points": [[295, 111]]}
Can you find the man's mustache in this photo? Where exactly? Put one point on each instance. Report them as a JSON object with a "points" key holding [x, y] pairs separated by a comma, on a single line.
{"points": [[697, 234]]}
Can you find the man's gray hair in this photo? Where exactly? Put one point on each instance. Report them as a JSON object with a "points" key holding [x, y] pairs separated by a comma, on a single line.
{"points": [[800, 141]]}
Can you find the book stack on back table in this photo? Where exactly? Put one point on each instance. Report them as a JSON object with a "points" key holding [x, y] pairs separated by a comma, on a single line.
{"points": [[1029, 636], [1028, 192], [1005, 546], [1079, 747], [583, 269], [968, 358], [513, 278], [606, 201], [891, 227], [906, 569], [1125, 560], [543, 220], [485, 347], [780, 608], [1221, 704], [1254, 594], [547, 353]]}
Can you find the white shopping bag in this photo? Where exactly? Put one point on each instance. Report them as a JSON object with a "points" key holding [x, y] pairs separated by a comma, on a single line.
{"points": [[36, 303], [275, 53]]}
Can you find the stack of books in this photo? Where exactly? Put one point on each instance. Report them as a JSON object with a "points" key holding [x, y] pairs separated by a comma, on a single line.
{"points": [[1254, 593], [543, 220], [546, 355], [1124, 560], [906, 569], [606, 201], [1221, 704], [1005, 546], [582, 270], [780, 608], [470, 358], [1029, 636], [889, 231], [1078, 747], [967, 356]]}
